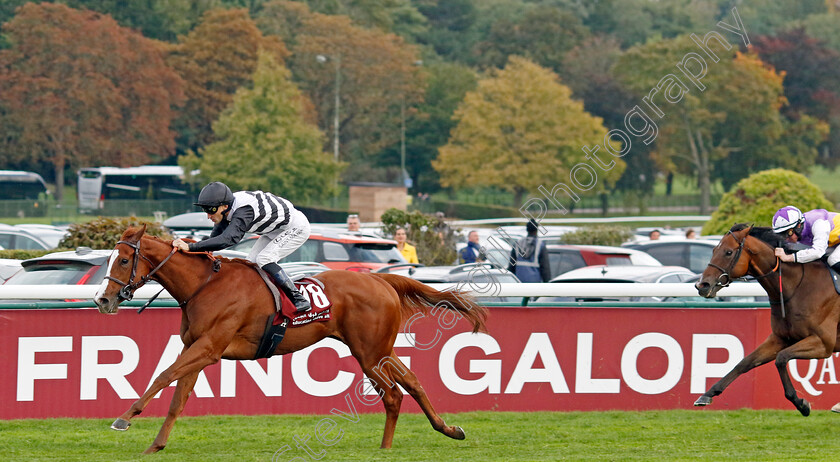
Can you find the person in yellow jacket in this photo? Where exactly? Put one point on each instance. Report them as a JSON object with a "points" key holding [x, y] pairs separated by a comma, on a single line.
{"points": [[407, 250]]}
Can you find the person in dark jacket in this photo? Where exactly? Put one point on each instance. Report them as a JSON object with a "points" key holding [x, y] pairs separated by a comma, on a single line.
{"points": [[281, 227], [472, 253], [529, 257]]}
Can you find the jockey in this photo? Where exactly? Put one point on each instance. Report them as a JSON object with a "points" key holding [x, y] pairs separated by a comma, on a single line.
{"points": [[819, 229], [281, 227]]}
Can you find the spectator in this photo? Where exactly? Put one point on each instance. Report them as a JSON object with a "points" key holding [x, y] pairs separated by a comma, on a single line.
{"points": [[407, 250], [529, 257], [353, 224], [690, 234], [654, 235], [472, 253]]}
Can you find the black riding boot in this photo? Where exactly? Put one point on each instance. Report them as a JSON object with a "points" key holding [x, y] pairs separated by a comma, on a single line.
{"points": [[285, 283], [836, 267]]}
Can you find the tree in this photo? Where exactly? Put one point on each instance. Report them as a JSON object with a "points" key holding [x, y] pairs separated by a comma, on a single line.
{"points": [[377, 73], [215, 59], [428, 128], [157, 19], [701, 132], [543, 34], [812, 80], [519, 130], [79, 90], [587, 71], [263, 141], [755, 199]]}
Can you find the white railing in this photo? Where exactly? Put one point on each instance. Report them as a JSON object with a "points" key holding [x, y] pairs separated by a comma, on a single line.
{"points": [[86, 292]]}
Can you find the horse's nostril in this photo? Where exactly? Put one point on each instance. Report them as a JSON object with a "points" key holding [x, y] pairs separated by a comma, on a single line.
{"points": [[101, 301]]}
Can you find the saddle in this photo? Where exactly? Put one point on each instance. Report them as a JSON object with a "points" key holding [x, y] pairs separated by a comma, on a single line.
{"points": [[276, 324]]}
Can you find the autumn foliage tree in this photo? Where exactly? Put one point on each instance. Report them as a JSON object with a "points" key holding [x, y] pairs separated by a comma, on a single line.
{"points": [[377, 72], [215, 59], [519, 130], [76, 90], [264, 142]]}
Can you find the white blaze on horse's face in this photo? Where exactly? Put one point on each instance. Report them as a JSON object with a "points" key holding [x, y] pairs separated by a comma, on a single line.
{"points": [[104, 285]]}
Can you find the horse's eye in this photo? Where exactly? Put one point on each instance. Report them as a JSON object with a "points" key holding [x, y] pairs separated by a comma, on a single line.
{"points": [[728, 253], [124, 261]]}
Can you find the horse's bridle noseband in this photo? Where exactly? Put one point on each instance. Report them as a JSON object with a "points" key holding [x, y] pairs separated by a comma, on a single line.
{"points": [[127, 290], [724, 279]]}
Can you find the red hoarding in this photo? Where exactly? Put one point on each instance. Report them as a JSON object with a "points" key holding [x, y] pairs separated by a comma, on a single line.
{"points": [[79, 363]]}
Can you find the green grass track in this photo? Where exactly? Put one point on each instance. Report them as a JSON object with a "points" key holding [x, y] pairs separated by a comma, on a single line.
{"points": [[702, 434]]}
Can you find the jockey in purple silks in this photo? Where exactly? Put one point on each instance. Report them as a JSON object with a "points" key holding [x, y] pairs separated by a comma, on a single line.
{"points": [[819, 229]]}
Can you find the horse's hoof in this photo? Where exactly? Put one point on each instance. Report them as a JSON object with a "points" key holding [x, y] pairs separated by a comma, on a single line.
{"points": [[459, 433], [703, 401], [805, 408], [120, 425]]}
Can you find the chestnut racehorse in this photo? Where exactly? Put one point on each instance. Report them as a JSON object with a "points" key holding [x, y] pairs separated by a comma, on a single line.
{"points": [[224, 315], [805, 310]]}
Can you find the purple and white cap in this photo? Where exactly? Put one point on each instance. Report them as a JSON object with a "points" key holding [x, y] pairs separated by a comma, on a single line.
{"points": [[786, 218]]}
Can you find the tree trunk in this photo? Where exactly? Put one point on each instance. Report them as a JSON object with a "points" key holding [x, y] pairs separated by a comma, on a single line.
{"points": [[704, 176], [518, 193], [59, 176]]}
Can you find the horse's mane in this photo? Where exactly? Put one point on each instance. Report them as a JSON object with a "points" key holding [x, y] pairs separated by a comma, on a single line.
{"points": [[762, 233], [212, 257]]}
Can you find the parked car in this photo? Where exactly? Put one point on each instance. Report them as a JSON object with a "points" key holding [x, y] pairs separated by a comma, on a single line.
{"points": [[82, 266], [50, 234], [693, 254], [8, 267], [338, 250], [15, 237], [193, 225], [564, 258], [475, 276], [620, 274]]}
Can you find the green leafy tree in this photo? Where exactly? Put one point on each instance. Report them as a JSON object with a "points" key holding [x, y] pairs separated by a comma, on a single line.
{"points": [[215, 59], [725, 131], [104, 232], [157, 19], [520, 129], [613, 235], [587, 71], [756, 198], [543, 34], [77, 89], [767, 17], [428, 128], [263, 141]]}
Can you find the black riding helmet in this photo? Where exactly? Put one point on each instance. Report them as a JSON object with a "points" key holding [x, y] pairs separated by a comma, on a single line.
{"points": [[214, 195]]}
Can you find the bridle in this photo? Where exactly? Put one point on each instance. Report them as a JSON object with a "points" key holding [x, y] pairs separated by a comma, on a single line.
{"points": [[127, 288], [724, 279]]}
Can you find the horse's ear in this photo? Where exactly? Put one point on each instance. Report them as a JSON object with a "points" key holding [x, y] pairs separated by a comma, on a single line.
{"points": [[134, 234]]}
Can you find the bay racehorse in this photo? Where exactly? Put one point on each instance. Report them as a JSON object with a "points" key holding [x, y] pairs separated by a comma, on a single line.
{"points": [[224, 315], [804, 306]]}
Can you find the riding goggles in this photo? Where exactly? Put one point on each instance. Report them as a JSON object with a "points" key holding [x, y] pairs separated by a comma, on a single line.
{"points": [[209, 209]]}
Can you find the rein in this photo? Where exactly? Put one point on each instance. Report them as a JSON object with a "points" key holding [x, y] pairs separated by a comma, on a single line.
{"points": [[725, 279], [127, 290]]}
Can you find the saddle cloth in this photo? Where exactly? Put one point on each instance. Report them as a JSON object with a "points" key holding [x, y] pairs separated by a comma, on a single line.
{"points": [[275, 327]]}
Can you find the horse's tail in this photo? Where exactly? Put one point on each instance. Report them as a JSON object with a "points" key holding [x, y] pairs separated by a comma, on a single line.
{"points": [[416, 296]]}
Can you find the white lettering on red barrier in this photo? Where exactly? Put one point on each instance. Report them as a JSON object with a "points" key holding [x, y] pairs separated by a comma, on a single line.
{"points": [[29, 371], [114, 373], [491, 368]]}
